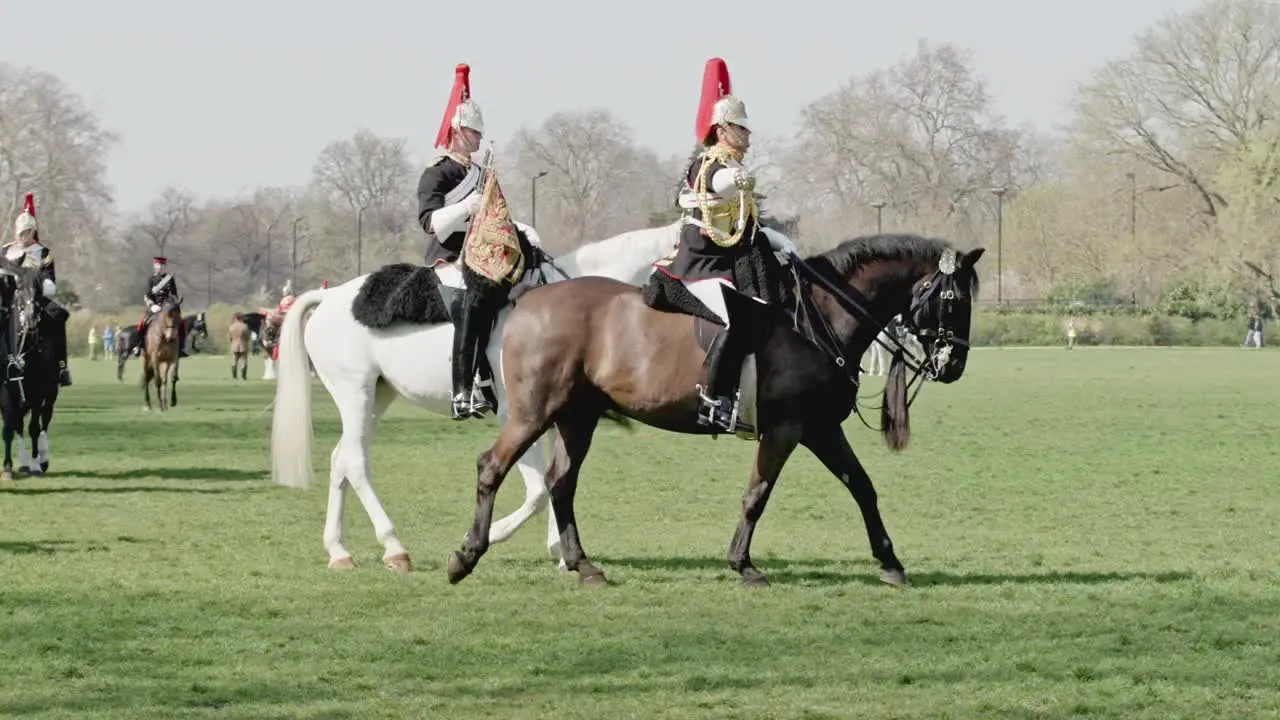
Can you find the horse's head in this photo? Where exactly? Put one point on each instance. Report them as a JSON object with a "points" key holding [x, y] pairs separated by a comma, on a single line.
{"points": [[942, 311], [169, 319], [21, 287]]}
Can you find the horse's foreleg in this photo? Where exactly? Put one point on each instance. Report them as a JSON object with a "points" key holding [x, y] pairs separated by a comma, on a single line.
{"points": [[146, 386], [772, 452], [173, 385], [36, 433], [515, 439], [533, 469], [6, 475], [832, 449]]}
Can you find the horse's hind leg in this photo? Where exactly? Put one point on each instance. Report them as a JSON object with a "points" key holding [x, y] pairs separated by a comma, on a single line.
{"points": [[576, 428], [359, 405]]}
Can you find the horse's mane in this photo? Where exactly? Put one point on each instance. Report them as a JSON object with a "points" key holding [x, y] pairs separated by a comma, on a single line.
{"points": [[853, 253]]}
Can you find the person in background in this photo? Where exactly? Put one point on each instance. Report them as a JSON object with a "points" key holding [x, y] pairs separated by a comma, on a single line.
{"points": [[108, 340], [93, 343], [1254, 333]]}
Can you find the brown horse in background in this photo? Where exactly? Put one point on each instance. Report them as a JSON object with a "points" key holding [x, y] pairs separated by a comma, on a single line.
{"points": [[160, 355]]}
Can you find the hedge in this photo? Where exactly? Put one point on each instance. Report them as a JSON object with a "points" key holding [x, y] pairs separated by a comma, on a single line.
{"points": [[990, 327]]}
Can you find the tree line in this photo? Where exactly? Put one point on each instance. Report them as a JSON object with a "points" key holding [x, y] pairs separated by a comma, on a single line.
{"points": [[1158, 187]]}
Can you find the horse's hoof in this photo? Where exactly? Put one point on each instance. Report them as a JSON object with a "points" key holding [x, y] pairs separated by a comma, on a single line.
{"points": [[456, 568], [754, 578], [895, 577], [342, 563], [593, 578], [399, 562], [146, 409], [44, 466], [6, 479]]}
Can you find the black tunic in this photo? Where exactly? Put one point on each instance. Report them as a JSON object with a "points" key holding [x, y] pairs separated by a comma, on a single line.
{"points": [[698, 257], [437, 181], [169, 290]]}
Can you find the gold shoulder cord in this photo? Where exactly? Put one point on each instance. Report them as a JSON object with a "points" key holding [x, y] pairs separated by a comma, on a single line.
{"points": [[721, 154]]}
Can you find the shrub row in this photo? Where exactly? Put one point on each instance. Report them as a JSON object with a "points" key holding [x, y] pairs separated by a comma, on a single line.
{"points": [[991, 326]]}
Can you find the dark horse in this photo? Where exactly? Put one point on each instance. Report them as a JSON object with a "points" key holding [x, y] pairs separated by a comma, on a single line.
{"points": [[30, 375], [575, 349], [194, 327]]}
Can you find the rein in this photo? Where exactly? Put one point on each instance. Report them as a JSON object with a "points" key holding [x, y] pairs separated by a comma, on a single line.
{"points": [[847, 297]]}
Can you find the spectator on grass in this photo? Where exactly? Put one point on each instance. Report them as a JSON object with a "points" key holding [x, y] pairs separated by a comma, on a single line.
{"points": [[1254, 333], [1071, 333], [108, 340], [93, 343]]}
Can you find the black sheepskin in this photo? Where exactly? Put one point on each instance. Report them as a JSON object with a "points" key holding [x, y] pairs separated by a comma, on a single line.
{"points": [[400, 293]]}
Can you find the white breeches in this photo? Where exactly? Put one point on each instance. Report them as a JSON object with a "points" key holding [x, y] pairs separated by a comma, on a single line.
{"points": [[708, 291]]}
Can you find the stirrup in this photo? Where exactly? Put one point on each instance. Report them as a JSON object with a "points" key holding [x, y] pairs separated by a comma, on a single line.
{"points": [[716, 414]]}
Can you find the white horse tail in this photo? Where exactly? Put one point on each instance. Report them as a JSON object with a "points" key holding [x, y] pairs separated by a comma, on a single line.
{"points": [[291, 422]]}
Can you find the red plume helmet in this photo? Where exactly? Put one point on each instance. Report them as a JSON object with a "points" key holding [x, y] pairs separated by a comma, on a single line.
{"points": [[29, 205], [461, 111], [717, 104], [324, 284]]}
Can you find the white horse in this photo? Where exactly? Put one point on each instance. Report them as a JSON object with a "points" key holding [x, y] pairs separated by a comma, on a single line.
{"points": [[366, 369]]}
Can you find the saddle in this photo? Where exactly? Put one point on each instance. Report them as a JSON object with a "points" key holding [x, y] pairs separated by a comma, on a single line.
{"points": [[405, 293]]}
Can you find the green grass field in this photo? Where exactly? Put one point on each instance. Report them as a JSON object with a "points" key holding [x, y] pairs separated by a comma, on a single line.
{"points": [[1088, 534]]}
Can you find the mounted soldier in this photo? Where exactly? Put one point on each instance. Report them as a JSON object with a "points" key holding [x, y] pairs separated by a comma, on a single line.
{"points": [[721, 242], [27, 251], [452, 192], [161, 286], [274, 317]]}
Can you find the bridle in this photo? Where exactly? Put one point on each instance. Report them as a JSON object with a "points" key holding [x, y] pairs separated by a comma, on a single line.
{"points": [[941, 283]]}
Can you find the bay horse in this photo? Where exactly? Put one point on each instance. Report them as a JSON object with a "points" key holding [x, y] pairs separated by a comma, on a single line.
{"points": [[30, 379], [160, 355], [365, 369], [576, 349]]}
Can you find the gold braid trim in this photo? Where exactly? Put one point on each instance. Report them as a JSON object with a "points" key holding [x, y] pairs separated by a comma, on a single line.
{"points": [[746, 200]]}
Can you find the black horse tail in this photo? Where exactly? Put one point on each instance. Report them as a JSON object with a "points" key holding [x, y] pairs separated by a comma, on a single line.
{"points": [[894, 418]]}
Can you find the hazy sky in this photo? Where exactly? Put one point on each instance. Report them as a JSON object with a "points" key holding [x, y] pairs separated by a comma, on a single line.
{"points": [[220, 97]]}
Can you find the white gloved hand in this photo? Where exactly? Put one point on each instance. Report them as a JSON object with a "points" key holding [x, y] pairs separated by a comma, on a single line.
{"points": [[48, 288], [155, 308], [779, 242], [472, 203]]}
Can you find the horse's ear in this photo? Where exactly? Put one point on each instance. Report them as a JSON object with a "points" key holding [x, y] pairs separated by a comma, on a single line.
{"points": [[969, 259]]}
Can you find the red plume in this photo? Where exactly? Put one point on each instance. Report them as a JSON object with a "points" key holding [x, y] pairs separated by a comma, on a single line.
{"points": [[461, 92], [324, 284], [715, 85], [29, 204]]}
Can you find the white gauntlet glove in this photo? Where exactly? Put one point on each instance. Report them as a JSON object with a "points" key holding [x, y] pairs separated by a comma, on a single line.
{"points": [[473, 202], [780, 243], [48, 288]]}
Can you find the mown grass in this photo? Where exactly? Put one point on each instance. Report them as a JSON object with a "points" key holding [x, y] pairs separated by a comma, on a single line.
{"points": [[1089, 534]]}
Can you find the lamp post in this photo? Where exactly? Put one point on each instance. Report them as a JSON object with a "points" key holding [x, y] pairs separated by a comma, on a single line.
{"points": [[1133, 208], [879, 206], [359, 237], [533, 214], [999, 193], [293, 255], [269, 227]]}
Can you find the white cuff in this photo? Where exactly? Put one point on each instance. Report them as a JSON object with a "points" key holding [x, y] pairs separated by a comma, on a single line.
{"points": [[778, 241], [530, 234], [449, 219], [48, 288]]}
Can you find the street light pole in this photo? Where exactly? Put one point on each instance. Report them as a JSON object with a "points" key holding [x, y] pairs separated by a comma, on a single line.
{"points": [[1133, 208], [293, 256], [879, 206], [269, 227], [359, 238], [999, 193], [533, 219]]}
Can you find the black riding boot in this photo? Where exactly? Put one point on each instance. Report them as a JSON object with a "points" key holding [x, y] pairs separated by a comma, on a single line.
{"points": [[466, 326], [724, 370], [182, 341], [60, 351]]}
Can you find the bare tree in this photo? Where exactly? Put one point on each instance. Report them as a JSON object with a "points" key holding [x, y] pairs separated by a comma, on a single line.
{"points": [[52, 144], [920, 136], [1199, 86], [599, 181]]}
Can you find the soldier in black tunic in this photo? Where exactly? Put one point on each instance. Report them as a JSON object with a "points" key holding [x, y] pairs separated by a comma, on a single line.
{"points": [[720, 227], [449, 196], [161, 286], [28, 251]]}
